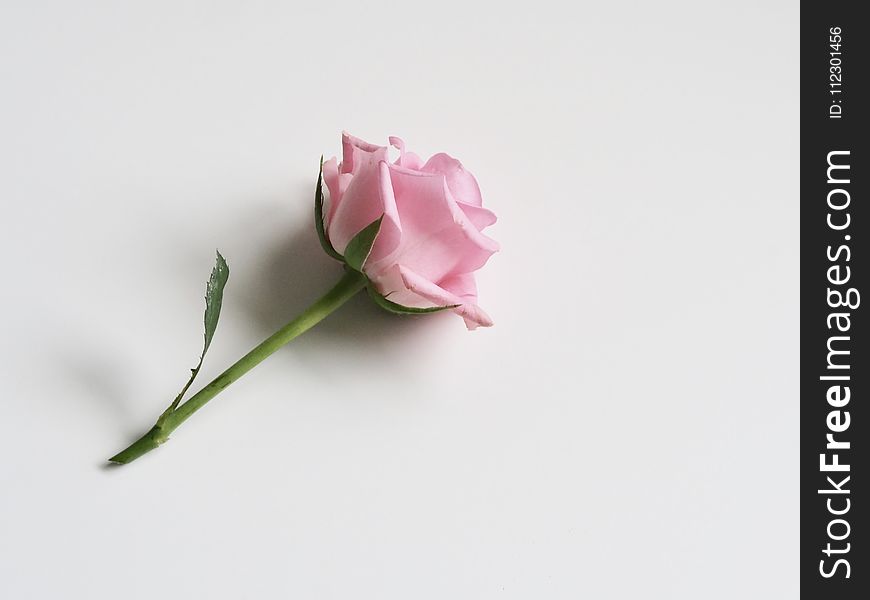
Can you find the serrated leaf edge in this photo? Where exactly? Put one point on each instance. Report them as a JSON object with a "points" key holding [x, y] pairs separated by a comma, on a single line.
{"points": [[214, 295]]}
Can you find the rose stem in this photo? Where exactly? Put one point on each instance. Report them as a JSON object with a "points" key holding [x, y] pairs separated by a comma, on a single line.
{"points": [[351, 283]]}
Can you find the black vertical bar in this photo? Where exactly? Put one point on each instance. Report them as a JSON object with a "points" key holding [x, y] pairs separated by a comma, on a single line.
{"points": [[835, 374]]}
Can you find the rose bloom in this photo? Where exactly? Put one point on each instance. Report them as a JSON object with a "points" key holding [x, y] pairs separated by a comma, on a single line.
{"points": [[430, 241]]}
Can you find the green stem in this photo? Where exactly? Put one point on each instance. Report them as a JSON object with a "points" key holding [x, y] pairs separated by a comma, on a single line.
{"points": [[350, 284]]}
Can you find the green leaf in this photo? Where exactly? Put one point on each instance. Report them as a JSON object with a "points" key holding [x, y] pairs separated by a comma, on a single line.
{"points": [[214, 297], [400, 309], [318, 217], [359, 248]]}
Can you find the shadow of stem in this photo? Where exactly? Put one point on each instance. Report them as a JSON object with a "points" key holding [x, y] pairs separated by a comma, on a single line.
{"points": [[294, 274], [276, 286]]}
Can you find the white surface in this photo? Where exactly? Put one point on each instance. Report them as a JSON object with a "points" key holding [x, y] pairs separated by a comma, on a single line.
{"points": [[628, 429]]}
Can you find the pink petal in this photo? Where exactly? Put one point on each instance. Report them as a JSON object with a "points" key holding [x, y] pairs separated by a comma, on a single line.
{"points": [[361, 202], [388, 282], [401, 285], [397, 142], [462, 184], [462, 285], [390, 234], [408, 160], [355, 152], [336, 183], [437, 238], [481, 217], [474, 315]]}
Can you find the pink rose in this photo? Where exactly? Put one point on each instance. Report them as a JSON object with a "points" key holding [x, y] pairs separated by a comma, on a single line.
{"points": [[429, 243], [409, 233]]}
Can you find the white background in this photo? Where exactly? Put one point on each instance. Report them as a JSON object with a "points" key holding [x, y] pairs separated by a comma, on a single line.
{"points": [[629, 427]]}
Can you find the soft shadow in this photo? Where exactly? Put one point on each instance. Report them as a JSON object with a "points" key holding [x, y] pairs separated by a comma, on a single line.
{"points": [[105, 382], [291, 275], [106, 385], [273, 286]]}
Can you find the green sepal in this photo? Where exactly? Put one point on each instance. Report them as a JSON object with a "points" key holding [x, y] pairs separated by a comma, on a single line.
{"points": [[400, 309], [359, 248], [318, 217], [214, 297]]}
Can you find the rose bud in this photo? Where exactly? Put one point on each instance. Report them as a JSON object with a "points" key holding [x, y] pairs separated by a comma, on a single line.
{"points": [[420, 223]]}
